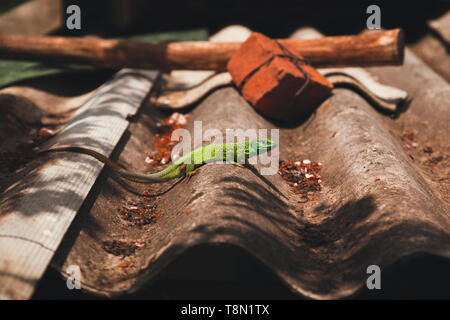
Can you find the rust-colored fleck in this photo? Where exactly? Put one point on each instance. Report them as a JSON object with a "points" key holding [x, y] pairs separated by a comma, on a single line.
{"points": [[410, 139], [46, 132], [126, 264], [119, 247], [302, 176], [139, 214], [436, 160], [162, 140], [428, 148]]}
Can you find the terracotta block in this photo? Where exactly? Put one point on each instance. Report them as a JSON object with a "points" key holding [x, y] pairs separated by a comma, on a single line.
{"points": [[271, 90]]}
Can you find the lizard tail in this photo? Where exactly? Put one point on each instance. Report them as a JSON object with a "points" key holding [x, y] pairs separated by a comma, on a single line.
{"points": [[135, 177], [115, 167], [141, 178]]}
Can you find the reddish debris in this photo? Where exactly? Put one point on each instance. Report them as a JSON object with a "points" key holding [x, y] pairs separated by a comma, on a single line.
{"points": [[126, 264], [436, 160], [162, 140], [410, 139], [430, 156], [147, 193], [45, 133], [120, 248], [140, 215], [303, 177], [158, 215], [428, 148]]}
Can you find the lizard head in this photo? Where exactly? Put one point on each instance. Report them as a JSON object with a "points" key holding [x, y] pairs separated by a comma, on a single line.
{"points": [[258, 146]]}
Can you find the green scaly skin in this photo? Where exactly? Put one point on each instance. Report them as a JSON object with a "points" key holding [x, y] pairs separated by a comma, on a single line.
{"points": [[239, 152], [187, 165]]}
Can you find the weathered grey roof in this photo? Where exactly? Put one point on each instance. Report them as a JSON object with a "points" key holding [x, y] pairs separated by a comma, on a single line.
{"points": [[38, 209], [379, 202]]}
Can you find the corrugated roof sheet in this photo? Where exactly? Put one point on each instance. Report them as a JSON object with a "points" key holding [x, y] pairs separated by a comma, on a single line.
{"points": [[382, 199]]}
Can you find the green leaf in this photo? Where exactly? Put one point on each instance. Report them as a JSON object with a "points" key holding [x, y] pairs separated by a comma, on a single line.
{"points": [[189, 35], [12, 71]]}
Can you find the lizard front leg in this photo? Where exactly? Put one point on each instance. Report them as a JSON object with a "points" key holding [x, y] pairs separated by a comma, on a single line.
{"points": [[190, 171], [240, 165]]}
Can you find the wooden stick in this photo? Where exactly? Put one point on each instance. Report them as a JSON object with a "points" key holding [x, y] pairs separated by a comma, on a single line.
{"points": [[379, 48]]}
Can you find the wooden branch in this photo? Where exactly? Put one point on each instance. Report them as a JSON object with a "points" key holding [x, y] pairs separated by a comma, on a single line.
{"points": [[381, 48]]}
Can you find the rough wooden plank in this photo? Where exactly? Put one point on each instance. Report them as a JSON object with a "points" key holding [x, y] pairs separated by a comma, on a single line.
{"points": [[381, 48], [442, 26], [41, 16], [31, 233], [320, 248]]}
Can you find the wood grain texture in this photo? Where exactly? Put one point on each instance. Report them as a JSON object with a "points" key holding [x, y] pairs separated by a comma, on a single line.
{"points": [[41, 16], [32, 231], [360, 50], [441, 26], [320, 249]]}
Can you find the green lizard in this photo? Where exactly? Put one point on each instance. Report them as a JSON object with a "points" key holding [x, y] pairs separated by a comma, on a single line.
{"points": [[187, 165]]}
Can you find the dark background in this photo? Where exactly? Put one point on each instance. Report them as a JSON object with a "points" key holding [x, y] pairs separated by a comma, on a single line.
{"points": [[409, 279], [273, 18], [110, 18]]}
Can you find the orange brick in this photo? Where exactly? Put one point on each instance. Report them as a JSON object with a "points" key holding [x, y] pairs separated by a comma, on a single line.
{"points": [[271, 90]]}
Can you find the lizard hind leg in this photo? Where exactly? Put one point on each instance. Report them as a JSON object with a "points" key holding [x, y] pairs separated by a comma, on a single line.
{"points": [[190, 171], [177, 172], [240, 165]]}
